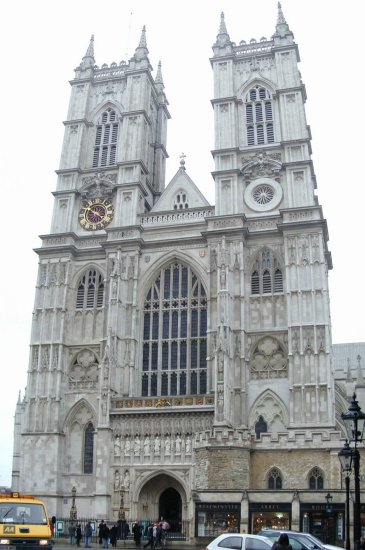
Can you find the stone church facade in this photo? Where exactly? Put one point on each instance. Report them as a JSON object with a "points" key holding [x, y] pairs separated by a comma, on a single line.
{"points": [[181, 358]]}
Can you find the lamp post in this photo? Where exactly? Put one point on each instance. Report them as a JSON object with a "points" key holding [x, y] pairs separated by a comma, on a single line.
{"points": [[356, 419], [345, 456], [328, 498]]}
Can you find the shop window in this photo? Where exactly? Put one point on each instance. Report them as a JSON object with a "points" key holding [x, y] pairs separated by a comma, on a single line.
{"points": [[212, 519]]}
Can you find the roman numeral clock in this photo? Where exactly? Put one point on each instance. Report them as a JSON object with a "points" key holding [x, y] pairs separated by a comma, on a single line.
{"points": [[96, 213]]}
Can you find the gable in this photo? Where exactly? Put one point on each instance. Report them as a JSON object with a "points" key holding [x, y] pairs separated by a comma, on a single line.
{"points": [[180, 194]]}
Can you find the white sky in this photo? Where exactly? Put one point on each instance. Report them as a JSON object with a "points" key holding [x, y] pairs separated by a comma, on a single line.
{"points": [[42, 41]]}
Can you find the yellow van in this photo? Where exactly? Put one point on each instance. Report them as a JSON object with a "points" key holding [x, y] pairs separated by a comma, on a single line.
{"points": [[24, 522]]}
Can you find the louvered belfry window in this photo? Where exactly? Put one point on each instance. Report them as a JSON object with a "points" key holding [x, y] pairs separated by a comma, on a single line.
{"points": [[105, 150], [90, 291], [175, 334], [259, 117], [266, 276]]}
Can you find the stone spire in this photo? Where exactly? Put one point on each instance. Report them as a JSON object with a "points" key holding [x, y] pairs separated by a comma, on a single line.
{"points": [[142, 50], [160, 86], [281, 18], [222, 26], [360, 382], [158, 80], [282, 27], [140, 58], [223, 43], [88, 61]]}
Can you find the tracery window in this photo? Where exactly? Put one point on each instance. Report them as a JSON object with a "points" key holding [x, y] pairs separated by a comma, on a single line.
{"points": [[89, 449], [260, 427], [259, 116], [105, 150], [267, 276], [274, 479], [315, 479], [90, 291], [181, 201], [175, 334]]}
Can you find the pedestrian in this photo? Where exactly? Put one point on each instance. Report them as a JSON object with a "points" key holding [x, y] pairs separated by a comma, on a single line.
{"points": [[78, 534], [137, 533], [125, 530], [72, 532], [159, 537], [149, 536], [282, 543], [106, 533], [88, 532], [100, 531], [113, 535]]}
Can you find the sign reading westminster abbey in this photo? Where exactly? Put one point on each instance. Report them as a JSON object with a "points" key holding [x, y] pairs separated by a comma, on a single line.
{"points": [[181, 362]]}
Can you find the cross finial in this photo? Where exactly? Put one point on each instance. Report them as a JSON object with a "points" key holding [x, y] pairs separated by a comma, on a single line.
{"points": [[182, 161]]}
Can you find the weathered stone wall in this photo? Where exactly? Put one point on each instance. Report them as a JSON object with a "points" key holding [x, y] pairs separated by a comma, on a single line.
{"points": [[221, 468]]}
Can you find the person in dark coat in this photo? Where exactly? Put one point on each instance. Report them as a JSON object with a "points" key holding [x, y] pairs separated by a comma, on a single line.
{"points": [[88, 532], [100, 531], [113, 535], [137, 533], [149, 536], [78, 534], [282, 543]]}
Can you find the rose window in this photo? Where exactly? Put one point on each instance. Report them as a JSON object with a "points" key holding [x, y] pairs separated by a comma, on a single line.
{"points": [[263, 194]]}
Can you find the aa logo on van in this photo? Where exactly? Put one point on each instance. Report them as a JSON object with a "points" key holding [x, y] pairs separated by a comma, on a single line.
{"points": [[9, 530]]}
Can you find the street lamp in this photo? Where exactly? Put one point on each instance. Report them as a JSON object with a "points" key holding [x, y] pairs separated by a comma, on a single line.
{"points": [[345, 456], [356, 419], [328, 498]]}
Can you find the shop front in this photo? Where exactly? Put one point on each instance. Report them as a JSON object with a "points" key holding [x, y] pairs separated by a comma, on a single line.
{"points": [[324, 521], [214, 518], [269, 516]]}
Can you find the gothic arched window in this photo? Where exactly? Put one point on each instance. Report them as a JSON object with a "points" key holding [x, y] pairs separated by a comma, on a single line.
{"points": [[181, 201], [315, 479], [266, 277], [90, 291], [259, 116], [260, 427], [175, 334], [105, 149], [89, 449], [274, 479]]}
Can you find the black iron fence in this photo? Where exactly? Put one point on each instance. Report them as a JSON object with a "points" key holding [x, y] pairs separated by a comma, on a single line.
{"points": [[178, 531]]}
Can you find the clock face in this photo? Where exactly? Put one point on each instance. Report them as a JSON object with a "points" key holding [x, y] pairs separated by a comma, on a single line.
{"points": [[96, 214]]}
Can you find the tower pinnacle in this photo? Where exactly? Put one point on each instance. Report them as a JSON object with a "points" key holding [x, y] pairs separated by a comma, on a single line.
{"points": [[88, 60], [282, 28], [223, 43]]}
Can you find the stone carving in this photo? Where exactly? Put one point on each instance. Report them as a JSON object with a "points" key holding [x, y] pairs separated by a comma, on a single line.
{"points": [[146, 446], [137, 445], [157, 445], [261, 165], [98, 185], [269, 359], [117, 446], [116, 480], [126, 481], [178, 444]]}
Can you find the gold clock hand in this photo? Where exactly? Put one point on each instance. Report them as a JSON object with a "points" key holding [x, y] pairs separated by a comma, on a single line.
{"points": [[95, 213]]}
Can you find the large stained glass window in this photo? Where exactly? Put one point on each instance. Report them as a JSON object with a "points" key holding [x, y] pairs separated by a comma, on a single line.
{"points": [[175, 334]]}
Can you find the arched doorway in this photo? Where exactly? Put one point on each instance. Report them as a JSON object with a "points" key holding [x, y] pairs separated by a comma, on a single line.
{"points": [[170, 506]]}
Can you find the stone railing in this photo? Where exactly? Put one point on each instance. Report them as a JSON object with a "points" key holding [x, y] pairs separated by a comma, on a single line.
{"points": [[162, 402], [178, 216]]}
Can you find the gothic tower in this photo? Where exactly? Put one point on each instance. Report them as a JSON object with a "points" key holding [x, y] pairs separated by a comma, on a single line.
{"points": [[178, 348]]}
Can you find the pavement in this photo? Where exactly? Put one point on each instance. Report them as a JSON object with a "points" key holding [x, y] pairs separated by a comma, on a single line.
{"points": [[63, 544]]}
